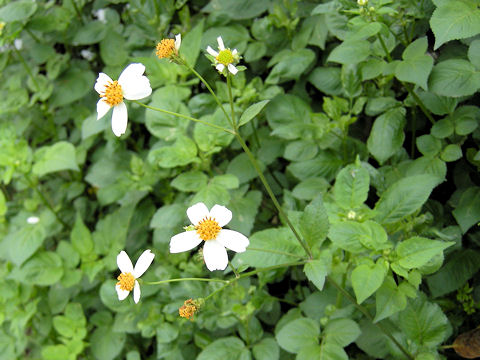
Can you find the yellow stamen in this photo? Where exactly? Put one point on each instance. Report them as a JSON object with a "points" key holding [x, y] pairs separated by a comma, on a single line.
{"points": [[188, 309], [126, 281], [113, 93], [166, 48], [208, 229], [225, 57]]}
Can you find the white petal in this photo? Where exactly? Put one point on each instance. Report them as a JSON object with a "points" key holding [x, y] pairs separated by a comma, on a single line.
{"points": [[232, 69], [178, 41], [221, 46], [102, 80], [234, 52], [143, 263], [134, 70], [136, 88], [221, 215], [211, 51], [215, 255], [233, 240], [220, 67], [119, 119], [197, 212], [124, 263], [122, 294], [136, 292], [184, 241], [102, 108]]}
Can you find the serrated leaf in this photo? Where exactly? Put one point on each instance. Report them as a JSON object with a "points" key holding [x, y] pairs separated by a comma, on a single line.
{"points": [[314, 223], [467, 212], [81, 238], [366, 280], [417, 251], [351, 186], [454, 78], [225, 348], [389, 300], [341, 332], [417, 65]]}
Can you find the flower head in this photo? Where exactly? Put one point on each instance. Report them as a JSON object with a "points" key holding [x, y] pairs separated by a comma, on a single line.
{"points": [[127, 280], [168, 48], [131, 85], [189, 308], [362, 2], [224, 58], [208, 227]]}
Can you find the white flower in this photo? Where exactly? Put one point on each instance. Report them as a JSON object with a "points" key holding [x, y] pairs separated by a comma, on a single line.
{"points": [[208, 227], [18, 43], [87, 54], [127, 280], [131, 85], [225, 58], [100, 14], [32, 220]]}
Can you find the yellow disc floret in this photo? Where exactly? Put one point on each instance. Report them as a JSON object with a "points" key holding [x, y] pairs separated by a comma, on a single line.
{"points": [[166, 48], [208, 229], [126, 281], [188, 309], [113, 93], [225, 57]]}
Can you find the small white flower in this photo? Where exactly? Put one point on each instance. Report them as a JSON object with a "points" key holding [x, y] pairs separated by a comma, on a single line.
{"points": [[18, 43], [224, 58], [32, 220], [208, 227], [100, 15], [127, 280], [131, 85], [87, 54]]}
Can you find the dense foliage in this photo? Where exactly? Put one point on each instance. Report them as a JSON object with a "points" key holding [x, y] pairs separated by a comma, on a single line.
{"points": [[346, 147]]}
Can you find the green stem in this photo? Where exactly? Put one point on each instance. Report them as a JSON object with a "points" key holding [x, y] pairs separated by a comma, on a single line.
{"points": [[282, 214], [184, 116], [276, 252], [77, 11], [27, 68], [233, 269], [45, 201], [370, 317], [230, 97], [183, 279]]}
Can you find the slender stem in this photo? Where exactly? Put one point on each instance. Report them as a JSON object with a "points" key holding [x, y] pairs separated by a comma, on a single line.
{"points": [[45, 201], [77, 11], [230, 97], [275, 252], [272, 195], [185, 117], [370, 317], [183, 279], [233, 269], [27, 68]]}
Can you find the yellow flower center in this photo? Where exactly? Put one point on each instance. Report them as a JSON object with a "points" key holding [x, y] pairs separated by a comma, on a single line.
{"points": [[225, 57], [165, 48], [208, 229], [126, 281], [113, 93], [187, 310]]}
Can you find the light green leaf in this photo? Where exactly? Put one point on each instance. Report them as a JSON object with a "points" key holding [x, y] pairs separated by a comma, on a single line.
{"points": [[451, 152], [181, 153], [298, 334], [92, 32], [341, 332], [191, 43], [56, 352], [290, 65], [366, 279], [417, 251], [351, 186], [389, 300], [350, 52], [317, 270], [113, 50], [17, 10], [190, 181], [44, 269], [345, 235], [454, 78], [169, 216], [417, 65], [314, 223], [81, 238], [57, 157], [227, 181], [326, 351], [23, 243], [225, 348], [266, 349], [474, 53], [237, 10], [252, 111]]}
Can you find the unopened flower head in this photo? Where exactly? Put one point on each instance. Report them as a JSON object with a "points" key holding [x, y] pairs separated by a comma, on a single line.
{"points": [[362, 2], [168, 48], [32, 220], [127, 280], [189, 308], [225, 59], [209, 228], [131, 85]]}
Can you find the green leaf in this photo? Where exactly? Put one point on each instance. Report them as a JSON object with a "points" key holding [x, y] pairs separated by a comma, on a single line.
{"points": [[454, 20], [225, 348], [310, 188], [3, 204], [455, 78], [386, 136], [389, 300], [252, 111], [326, 351], [81, 238], [317, 270], [227, 181], [327, 80], [237, 10], [298, 334], [190, 181], [416, 65], [106, 344], [44, 269], [181, 153], [345, 235], [474, 53], [467, 212], [241, 167], [404, 197], [113, 49], [341, 332], [300, 150], [443, 128], [72, 85], [57, 157], [17, 10], [417, 251], [56, 352], [424, 322], [266, 349], [350, 52], [23, 243], [211, 194], [289, 65], [451, 152], [366, 279], [167, 332], [169, 216], [351, 186], [191, 43], [429, 145], [314, 223], [91, 33], [465, 119]]}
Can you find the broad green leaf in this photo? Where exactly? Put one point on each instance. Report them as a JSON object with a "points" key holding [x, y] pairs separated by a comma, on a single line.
{"points": [[266, 349], [91, 33], [211, 194], [17, 10], [451, 152], [190, 181], [474, 53], [169, 216], [310, 188], [404, 197], [345, 235], [351, 186], [242, 168], [106, 344], [325, 164], [237, 10], [467, 211], [458, 269], [416, 65], [439, 105], [429, 145], [244, 209], [326, 351], [372, 68], [113, 49], [181, 153], [317, 270], [23, 243], [373, 341], [167, 332], [314, 223], [3, 204], [454, 20], [389, 300], [57, 157], [341, 332], [327, 80], [465, 119], [291, 65], [298, 334], [350, 52], [43, 269], [252, 111], [56, 352], [424, 322], [300, 150], [81, 238], [366, 279], [386, 136], [191, 43], [224, 348], [417, 251], [454, 78], [72, 85], [227, 181]]}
